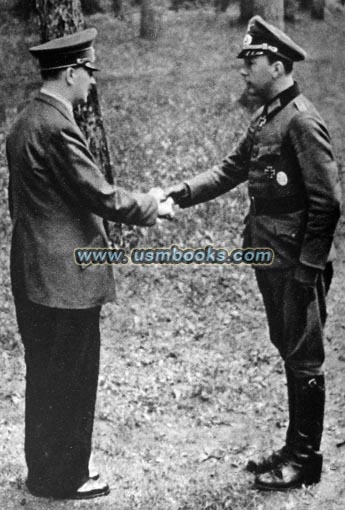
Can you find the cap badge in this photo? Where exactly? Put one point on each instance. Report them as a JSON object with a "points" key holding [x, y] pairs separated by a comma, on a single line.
{"points": [[247, 41], [282, 178]]}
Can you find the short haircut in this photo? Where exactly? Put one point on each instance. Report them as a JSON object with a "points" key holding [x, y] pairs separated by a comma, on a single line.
{"points": [[51, 74], [288, 64]]}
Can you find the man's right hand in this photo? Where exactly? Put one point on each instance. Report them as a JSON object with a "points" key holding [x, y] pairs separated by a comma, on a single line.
{"points": [[166, 209], [180, 193]]}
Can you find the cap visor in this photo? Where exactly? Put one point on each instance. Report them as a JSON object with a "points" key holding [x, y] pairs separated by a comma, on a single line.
{"points": [[242, 54], [88, 65]]}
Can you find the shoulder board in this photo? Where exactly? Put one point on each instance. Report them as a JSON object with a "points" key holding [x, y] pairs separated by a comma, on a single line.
{"points": [[300, 104]]}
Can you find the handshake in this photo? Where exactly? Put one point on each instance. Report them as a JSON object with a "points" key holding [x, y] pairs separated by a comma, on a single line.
{"points": [[167, 198]]}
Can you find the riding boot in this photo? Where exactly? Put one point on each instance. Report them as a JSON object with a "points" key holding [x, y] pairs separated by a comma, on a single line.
{"points": [[303, 464], [277, 457]]}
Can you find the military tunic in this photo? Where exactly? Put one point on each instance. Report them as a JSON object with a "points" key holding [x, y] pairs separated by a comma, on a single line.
{"points": [[294, 192]]}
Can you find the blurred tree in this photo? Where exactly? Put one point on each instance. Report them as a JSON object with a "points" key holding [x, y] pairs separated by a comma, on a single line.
{"points": [[150, 23], [174, 5], [91, 6], [118, 8], [221, 5], [62, 17], [318, 9], [271, 10], [24, 8], [290, 9], [305, 4], [194, 4], [247, 10]]}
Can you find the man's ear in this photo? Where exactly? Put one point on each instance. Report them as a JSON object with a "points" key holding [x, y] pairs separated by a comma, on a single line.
{"points": [[278, 69], [70, 74]]}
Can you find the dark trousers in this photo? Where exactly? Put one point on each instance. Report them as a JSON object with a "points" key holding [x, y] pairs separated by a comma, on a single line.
{"points": [[62, 363], [296, 318]]}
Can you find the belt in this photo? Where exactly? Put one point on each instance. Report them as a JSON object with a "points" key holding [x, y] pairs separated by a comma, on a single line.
{"points": [[282, 205]]}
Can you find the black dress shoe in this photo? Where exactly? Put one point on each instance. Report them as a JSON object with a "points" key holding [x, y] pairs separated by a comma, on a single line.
{"points": [[268, 463], [91, 489], [291, 474]]}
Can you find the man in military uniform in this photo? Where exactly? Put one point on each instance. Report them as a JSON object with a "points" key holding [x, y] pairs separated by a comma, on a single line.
{"points": [[287, 159], [58, 198]]}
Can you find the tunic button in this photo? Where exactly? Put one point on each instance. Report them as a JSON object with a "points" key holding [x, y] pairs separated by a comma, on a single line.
{"points": [[255, 152]]}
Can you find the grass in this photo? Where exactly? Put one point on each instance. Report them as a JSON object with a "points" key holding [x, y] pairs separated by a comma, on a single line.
{"points": [[189, 384]]}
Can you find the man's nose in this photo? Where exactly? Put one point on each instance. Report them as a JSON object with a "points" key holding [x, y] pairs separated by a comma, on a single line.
{"points": [[244, 72], [93, 80]]}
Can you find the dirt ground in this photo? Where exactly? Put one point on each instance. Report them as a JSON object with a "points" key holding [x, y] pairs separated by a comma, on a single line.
{"points": [[181, 410]]}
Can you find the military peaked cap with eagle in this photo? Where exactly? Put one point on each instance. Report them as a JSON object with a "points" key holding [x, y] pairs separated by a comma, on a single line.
{"points": [[262, 38]]}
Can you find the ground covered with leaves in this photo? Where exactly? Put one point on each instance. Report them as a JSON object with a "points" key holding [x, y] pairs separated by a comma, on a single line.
{"points": [[190, 387]]}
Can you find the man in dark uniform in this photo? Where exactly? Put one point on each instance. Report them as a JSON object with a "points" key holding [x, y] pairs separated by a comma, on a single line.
{"points": [[287, 159], [58, 198]]}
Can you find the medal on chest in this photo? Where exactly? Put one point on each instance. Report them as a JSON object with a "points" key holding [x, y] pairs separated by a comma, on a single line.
{"points": [[282, 178]]}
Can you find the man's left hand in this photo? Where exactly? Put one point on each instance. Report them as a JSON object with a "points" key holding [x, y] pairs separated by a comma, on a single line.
{"points": [[306, 275]]}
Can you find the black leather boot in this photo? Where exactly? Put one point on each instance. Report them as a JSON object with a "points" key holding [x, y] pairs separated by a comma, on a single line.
{"points": [[277, 457], [303, 465]]}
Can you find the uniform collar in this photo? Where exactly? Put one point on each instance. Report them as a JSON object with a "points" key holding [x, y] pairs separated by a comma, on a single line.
{"points": [[59, 98], [281, 100]]}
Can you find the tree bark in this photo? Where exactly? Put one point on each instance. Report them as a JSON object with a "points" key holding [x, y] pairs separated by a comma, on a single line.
{"points": [[63, 17], [271, 10], [247, 10], [59, 17], [318, 9], [150, 24]]}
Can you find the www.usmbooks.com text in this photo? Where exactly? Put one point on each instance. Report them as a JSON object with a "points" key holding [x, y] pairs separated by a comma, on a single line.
{"points": [[174, 255]]}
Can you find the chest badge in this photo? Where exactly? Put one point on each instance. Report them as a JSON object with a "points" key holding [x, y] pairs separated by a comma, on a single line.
{"points": [[282, 178], [270, 172]]}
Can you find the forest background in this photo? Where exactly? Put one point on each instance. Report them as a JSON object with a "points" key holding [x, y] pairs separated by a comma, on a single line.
{"points": [[190, 387]]}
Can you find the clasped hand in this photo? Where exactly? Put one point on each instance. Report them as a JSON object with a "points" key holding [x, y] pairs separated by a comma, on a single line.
{"points": [[165, 203]]}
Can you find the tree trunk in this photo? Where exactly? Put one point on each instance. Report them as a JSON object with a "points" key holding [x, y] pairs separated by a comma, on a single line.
{"points": [[118, 8], [271, 10], [59, 17], [247, 10], [63, 17], [24, 8], [150, 23], [290, 9], [91, 6], [174, 5], [318, 9], [221, 5], [305, 4]]}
